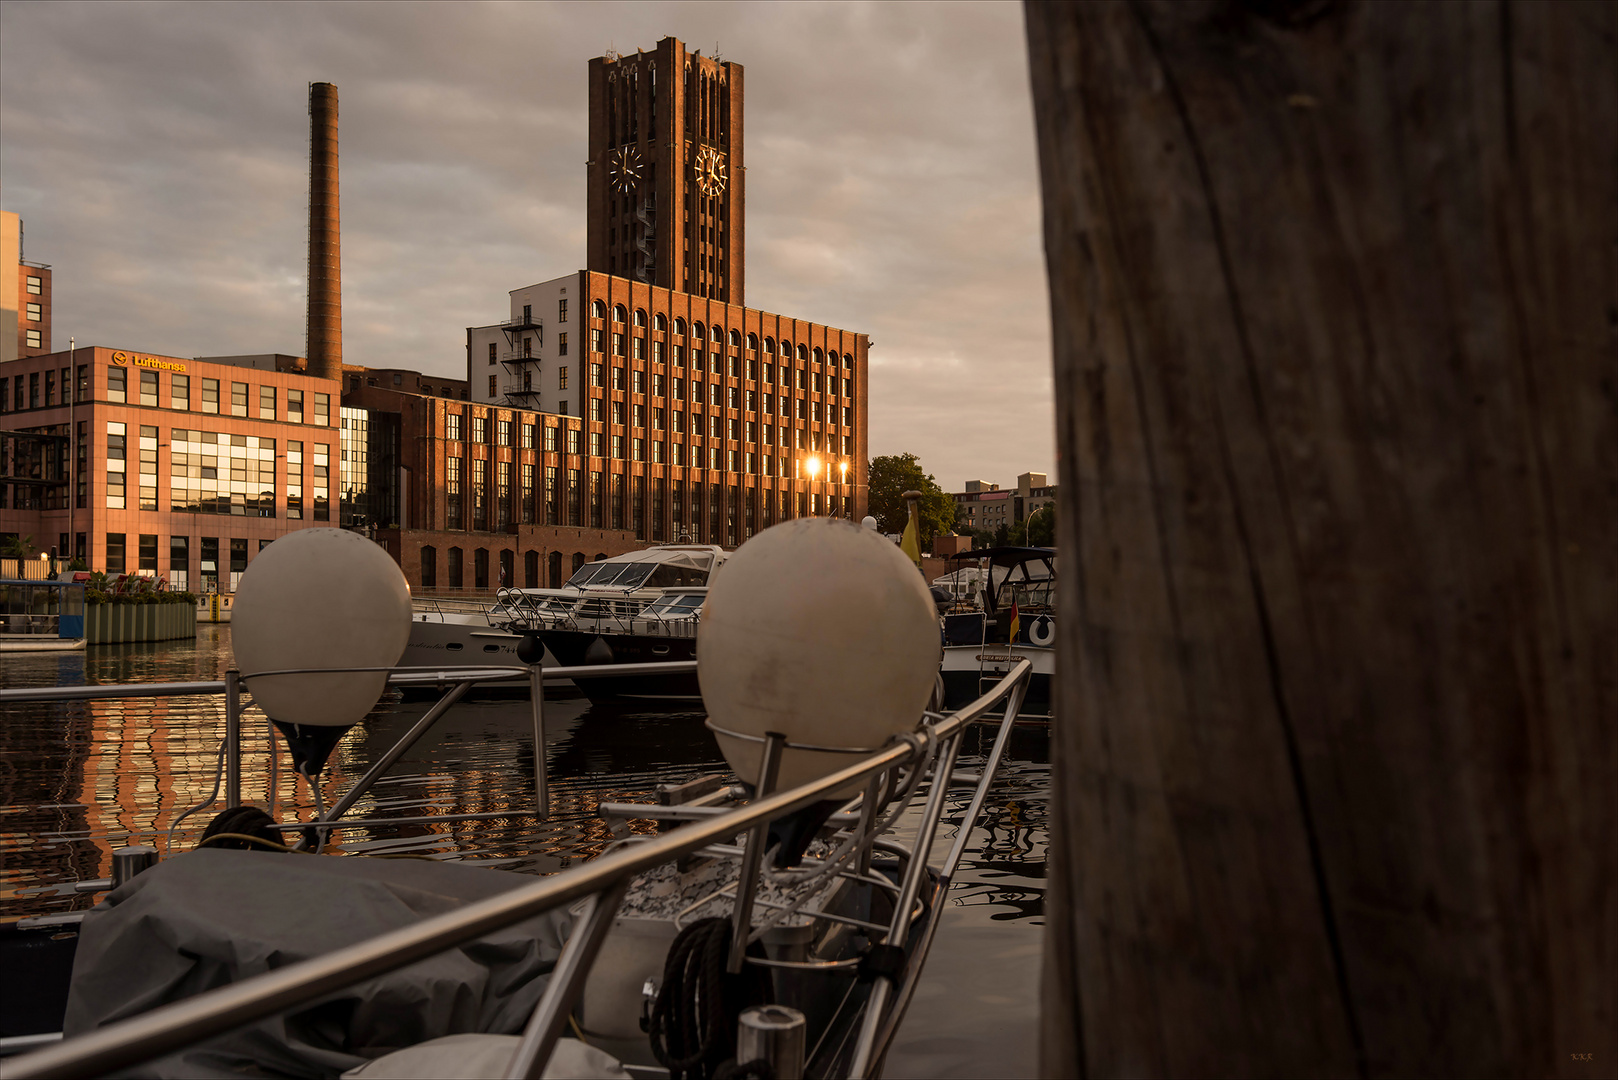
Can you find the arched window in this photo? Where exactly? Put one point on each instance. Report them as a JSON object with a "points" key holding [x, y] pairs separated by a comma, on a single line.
{"points": [[530, 569], [679, 328], [429, 567], [786, 349], [752, 342], [640, 317], [769, 346], [555, 567], [455, 568], [697, 332], [803, 352], [618, 313], [848, 360], [735, 339], [820, 356], [660, 321], [578, 561], [598, 310]]}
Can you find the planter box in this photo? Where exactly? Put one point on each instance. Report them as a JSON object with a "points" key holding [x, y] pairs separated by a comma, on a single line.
{"points": [[116, 624]]}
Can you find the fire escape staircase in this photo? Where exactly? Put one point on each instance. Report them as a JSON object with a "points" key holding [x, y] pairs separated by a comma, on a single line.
{"points": [[521, 362]]}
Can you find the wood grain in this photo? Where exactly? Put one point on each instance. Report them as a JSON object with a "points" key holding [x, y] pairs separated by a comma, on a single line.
{"points": [[1335, 300]]}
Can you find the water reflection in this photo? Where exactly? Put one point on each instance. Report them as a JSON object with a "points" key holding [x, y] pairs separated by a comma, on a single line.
{"points": [[77, 780]]}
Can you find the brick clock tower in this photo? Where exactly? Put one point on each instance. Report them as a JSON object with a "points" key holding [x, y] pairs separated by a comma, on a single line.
{"points": [[667, 183]]}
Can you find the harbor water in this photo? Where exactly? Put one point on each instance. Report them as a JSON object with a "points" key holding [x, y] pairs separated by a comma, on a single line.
{"points": [[80, 779]]}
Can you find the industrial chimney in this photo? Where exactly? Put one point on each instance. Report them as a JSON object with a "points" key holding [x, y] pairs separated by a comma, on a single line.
{"points": [[325, 334]]}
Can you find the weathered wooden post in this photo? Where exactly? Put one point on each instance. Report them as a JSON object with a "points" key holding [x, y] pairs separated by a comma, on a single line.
{"points": [[1335, 299]]}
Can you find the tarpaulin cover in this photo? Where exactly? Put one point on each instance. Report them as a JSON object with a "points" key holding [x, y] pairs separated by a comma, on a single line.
{"points": [[209, 918]]}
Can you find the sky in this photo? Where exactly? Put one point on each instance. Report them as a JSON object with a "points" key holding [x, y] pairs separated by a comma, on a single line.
{"points": [[158, 155]]}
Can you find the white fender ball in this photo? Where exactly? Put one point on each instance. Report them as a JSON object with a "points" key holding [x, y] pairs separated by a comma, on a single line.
{"points": [[820, 630], [320, 598]]}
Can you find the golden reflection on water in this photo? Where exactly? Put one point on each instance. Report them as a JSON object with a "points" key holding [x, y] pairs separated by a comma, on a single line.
{"points": [[79, 779]]}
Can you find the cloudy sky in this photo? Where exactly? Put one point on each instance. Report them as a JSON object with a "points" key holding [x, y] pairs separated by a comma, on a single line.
{"points": [[158, 156]]}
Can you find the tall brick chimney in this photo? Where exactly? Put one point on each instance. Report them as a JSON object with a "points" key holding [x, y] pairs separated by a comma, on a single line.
{"points": [[324, 346]]}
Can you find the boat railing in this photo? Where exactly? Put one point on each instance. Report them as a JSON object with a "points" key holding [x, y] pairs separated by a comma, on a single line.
{"points": [[601, 884]]}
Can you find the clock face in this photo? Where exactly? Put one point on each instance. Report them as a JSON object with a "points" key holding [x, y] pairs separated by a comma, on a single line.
{"points": [[709, 169], [623, 169]]}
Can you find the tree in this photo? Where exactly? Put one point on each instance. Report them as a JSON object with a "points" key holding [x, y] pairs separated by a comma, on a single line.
{"points": [[1334, 755], [1042, 526], [893, 475]]}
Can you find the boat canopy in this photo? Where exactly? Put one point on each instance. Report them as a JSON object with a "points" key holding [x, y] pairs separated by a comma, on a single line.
{"points": [[1013, 568], [657, 568]]}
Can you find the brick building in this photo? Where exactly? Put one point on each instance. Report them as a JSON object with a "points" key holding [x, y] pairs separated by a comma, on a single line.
{"points": [[25, 296], [696, 415], [184, 468]]}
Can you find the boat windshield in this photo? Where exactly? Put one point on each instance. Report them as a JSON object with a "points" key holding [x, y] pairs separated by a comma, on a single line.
{"points": [[676, 605]]}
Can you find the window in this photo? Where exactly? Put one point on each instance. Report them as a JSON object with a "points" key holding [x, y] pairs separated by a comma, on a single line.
{"points": [[679, 328], [657, 450], [561, 377], [752, 342], [210, 395], [147, 491], [35, 312], [453, 509], [502, 435], [238, 399], [573, 440], [638, 450], [803, 351], [595, 340], [561, 310], [266, 403], [115, 553], [148, 388], [598, 375], [848, 417], [452, 426], [598, 310], [595, 444], [561, 344], [595, 410], [479, 433], [735, 397], [618, 313], [35, 340], [36, 286], [294, 479], [617, 344], [639, 349], [117, 463], [294, 403], [528, 436], [429, 566], [657, 418], [502, 492], [322, 409], [117, 385], [618, 412], [735, 339], [618, 447], [322, 482], [492, 389], [491, 352], [640, 317], [455, 567]]}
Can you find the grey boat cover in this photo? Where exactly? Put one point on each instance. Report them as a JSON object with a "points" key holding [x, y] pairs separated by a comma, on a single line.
{"points": [[209, 918]]}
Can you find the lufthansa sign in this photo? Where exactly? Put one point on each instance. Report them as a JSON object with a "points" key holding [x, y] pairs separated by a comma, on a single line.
{"points": [[124, 359]]}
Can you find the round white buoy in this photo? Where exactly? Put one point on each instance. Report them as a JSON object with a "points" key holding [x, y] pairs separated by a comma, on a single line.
{"points": [[820, 630], [868, 522], [320, 598]]}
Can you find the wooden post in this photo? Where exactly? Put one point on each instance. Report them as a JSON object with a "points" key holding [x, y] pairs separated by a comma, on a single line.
{"points": [[1334, 288]]}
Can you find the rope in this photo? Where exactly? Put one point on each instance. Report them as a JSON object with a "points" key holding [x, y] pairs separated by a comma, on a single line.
{"points": [[687, 1020], [693, 1025]]}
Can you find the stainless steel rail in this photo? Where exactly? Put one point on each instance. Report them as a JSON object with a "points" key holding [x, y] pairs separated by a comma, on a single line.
{"points": [[170, 1027]]}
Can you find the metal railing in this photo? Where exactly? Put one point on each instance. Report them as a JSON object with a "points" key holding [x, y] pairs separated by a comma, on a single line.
{"points": [[605, 879]]}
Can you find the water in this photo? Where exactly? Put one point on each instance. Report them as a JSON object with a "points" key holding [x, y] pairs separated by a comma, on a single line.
{"points": [[77, 780]]}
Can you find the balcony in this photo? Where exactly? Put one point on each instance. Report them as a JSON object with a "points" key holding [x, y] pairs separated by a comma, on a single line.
{"points": [[528, 395], [514, 362]]}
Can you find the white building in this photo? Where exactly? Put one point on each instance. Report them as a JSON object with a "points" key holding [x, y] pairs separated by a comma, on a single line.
{"points": [[532, 360]]}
